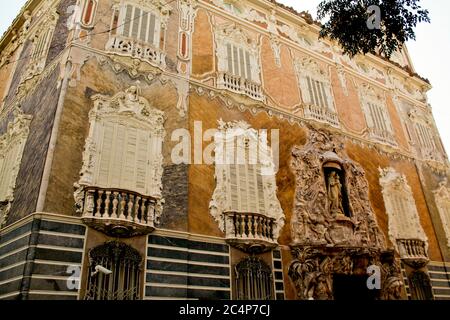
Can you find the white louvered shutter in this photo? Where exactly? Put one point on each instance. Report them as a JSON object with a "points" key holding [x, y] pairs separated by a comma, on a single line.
{"points": [[8, 162]]}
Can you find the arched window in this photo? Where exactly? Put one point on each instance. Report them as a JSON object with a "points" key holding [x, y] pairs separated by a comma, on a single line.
{"points": [[123, 283], [254, 280], [420, 285]]}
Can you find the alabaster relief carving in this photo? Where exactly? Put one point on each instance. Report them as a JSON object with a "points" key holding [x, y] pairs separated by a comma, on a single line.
{"points": [[276, 49], [313, 271], [442, 199], [331, 201], [123, 151], [333, 227], [405, 230], [244, 203], [137, 69], [12, 144], [342, 78]]}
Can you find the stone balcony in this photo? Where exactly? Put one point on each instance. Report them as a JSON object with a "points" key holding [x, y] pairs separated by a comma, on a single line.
{"points": [[118, 213], [413, 252], [136, 49], [250, 232], [240, 85], [320, 114], [383, 136]]}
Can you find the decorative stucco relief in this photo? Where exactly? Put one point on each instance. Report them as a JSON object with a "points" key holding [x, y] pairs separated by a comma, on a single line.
{"points": [[442, 199], [12, 144], [404, 221]]}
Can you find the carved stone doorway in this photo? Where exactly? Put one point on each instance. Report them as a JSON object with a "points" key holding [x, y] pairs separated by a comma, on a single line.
{"points": [[353, 288], [335, 236]]}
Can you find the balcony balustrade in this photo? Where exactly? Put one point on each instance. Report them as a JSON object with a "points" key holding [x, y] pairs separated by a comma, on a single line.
{"points": [[250, 232], [136, 49], [321, 114], [119, 212], [240, 85], [413, 252]]}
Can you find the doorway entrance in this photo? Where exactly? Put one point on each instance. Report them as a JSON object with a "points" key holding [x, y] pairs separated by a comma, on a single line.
{"points": [[351, 288]]}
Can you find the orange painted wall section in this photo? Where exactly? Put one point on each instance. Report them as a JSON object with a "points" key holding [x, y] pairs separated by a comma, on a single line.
{"points": [[202, 45], [280, 83], [348, 107]]}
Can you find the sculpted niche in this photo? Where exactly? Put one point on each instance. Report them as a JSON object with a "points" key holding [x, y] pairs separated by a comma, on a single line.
{"points": [[331, 202], [333, 227]]}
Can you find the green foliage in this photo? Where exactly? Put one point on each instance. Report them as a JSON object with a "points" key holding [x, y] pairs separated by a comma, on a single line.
{"points": [[347, 23]]}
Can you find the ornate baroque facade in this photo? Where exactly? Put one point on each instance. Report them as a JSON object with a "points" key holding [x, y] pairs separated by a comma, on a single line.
{"points": [[213, 149]]}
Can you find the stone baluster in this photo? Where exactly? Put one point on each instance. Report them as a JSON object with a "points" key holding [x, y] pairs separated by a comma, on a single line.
{"points": [[242, 233], [236, 225], [130, 207], [136, 209], [99, 204], [107, 203], [256, 225], [115, 203], [122, 206], [142, 219], [251, 234]]}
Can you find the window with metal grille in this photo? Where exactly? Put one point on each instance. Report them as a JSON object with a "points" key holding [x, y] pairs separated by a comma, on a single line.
{"points": [[254, 280], [124, 281], [420, 285]]}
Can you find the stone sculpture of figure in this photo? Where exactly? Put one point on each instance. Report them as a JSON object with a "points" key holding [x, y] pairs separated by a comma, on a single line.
{"points": [[130, 101], [335, 194]]}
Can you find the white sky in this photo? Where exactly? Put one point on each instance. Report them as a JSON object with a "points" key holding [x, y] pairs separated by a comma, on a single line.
{"points": [[429, 52]]}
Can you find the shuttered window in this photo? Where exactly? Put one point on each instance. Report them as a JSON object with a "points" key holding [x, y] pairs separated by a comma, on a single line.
{"points": [[246, 181], [401, 206], [239, 61], [141, 25], [424, 136], [41, 46], [378, 118], [12, 144], [246, 188], [125, 157], [8, 159], [317, 92]]}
